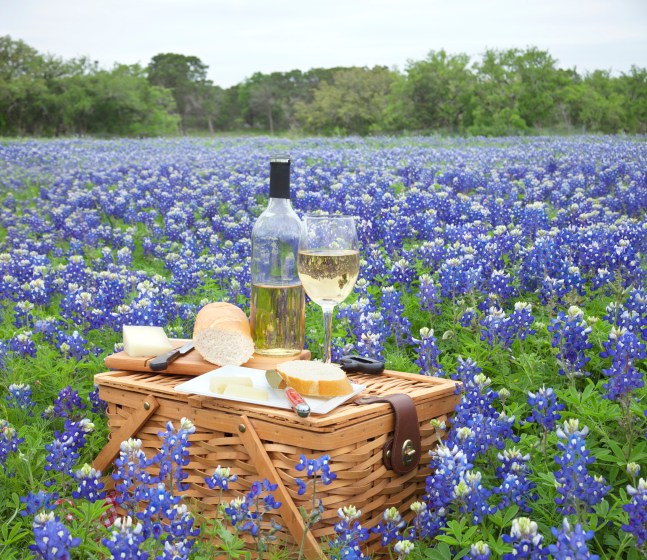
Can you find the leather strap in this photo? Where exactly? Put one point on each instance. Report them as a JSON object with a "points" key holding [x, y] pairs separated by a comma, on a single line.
{"points": [[402, 452]]}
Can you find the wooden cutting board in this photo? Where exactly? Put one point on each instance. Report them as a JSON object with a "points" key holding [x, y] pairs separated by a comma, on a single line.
{"points": [[192, 363]]}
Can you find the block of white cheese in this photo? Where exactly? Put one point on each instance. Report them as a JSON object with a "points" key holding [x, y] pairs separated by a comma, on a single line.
{"points": [[245, 392], [218, 384], [145, 341]]}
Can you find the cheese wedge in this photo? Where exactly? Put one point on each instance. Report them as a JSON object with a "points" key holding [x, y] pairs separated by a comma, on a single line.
{"points": [[218, 384], [246, 392], [145, 341]]}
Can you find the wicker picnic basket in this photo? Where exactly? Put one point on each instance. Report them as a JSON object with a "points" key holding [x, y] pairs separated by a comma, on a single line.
{"points": [[259, 442]]}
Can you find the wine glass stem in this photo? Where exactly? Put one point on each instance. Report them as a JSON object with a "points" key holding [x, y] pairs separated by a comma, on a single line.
{"points": [[327, 318]]}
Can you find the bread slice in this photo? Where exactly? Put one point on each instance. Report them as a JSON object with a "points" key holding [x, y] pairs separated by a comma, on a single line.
{"points": [[315, 379], [221, 334]]}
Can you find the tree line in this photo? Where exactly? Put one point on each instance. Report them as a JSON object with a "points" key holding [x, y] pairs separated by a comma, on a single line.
{"points": [[513, 91]]}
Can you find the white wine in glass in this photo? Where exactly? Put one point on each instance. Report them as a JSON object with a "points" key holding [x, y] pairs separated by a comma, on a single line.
{"points": [[328, 264]]}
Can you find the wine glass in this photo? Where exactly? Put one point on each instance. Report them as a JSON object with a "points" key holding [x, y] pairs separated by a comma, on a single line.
{"points": [[328, 264]]}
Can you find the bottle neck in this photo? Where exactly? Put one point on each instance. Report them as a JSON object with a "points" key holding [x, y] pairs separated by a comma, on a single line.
{"points": [[278, 204]]}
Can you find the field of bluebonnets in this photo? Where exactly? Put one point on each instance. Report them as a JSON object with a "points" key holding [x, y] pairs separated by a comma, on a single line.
{"points": [[516, 266]]}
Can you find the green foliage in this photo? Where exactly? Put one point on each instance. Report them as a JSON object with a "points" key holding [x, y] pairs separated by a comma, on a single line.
{"points": [[352, 104], [506, 92]]}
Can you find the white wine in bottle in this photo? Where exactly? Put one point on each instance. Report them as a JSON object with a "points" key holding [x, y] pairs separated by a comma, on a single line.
{"points": [[277, 307]]}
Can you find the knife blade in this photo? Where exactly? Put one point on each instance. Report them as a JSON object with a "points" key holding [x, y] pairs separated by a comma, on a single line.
{"points": [[162, 361], [297, 402]]}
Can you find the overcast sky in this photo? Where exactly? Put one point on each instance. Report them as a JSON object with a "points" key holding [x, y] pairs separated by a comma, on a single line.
{"points": [[236, 38]]}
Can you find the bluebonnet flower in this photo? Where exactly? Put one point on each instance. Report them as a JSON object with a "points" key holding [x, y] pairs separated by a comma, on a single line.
{"points": [[246, 514], [476, 411], [495, 328], [159, 503], [479, 551], [63, 452], [575, 281], [571, 543], [97, 404], [9, 442], [174, 453], [72, 346], [176, 550], [181, 527], [20, 397], [390, 526], [426, 523], [52, 539], [132, 479], [552, 290], [637, 513], [467, 318], [526, 541], [428, 353], [67, 404], [459, 276], [448, 465], [575, 486], [571, 337], [125, 541], [625, 349], [429, 294], [500, 283], [314, 467], [403, 548], [515, 488], [38, 501], [349, 534], [23, 316], [221, 478], [521, 320], [472, 497], [402, 273], [371, 344], [23, 345], [90, 485], [633, 469], [47, 327], [544, 408], [393, 310]]}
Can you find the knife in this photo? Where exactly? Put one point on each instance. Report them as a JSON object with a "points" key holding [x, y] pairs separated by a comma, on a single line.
{"points": [[297, 402], [162, 361]]}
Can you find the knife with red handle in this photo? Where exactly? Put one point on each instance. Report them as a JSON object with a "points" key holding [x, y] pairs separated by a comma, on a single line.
{"points": [[297, 402]]}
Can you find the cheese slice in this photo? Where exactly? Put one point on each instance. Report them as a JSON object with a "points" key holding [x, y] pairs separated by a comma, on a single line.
{"points": [[218, 384], [145, 341], [246, 392]]}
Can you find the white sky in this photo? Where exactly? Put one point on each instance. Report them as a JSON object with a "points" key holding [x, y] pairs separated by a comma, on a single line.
{"points": [[236, 38]]}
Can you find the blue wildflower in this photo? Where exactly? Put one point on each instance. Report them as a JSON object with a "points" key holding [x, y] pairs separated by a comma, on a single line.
{"points": [[52, 539], [571, 337], [575, 486], [637, 513], [125, 541], [390, 526], [526, 541], [571, 543], [20, 397], [428, 353]]}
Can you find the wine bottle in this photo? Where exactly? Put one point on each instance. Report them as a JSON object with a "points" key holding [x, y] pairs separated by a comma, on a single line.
{"points": [[277, 307]]}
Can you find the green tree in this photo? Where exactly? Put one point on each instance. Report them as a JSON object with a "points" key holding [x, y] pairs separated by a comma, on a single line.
{"points": [[354, 103], [633, 86], [185, 76], [516, 91], [440, 92]]}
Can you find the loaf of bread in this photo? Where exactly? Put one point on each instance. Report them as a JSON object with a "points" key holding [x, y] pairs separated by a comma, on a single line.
{"points": [[221, 334], [315, 379]]}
